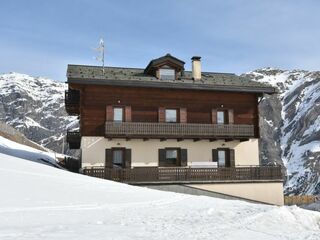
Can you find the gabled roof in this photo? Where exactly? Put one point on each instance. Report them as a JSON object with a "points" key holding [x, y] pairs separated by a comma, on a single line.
{"points": [[165, 60], [136, 77]]}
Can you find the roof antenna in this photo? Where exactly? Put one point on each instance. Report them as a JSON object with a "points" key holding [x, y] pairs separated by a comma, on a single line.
{"points": [[100, 50]]}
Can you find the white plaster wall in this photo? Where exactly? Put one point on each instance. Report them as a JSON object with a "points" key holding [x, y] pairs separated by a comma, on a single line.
{"points": [[145, 153], [270, 192]]}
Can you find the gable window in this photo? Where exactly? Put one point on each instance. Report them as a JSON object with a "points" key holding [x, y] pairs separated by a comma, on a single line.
{"points": [[118, 114], [171, 115], [222, 117], [167, 74], [118, 157]]}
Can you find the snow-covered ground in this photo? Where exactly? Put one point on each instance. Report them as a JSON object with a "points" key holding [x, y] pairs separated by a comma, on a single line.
{"points": [[41, 202], [28, 153]]}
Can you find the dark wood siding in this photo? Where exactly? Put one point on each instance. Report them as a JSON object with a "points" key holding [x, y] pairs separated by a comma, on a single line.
{"points": [[145, 103]]}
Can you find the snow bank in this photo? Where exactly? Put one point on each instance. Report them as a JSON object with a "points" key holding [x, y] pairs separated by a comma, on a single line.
{"points": [[22, 151], [40, 202]]}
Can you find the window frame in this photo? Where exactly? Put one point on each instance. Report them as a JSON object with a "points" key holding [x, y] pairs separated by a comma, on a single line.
{"points": [[123, 157], [167, 78], [225, 116], [227, 157], [178, 160], [122, 113], [171, 109]]}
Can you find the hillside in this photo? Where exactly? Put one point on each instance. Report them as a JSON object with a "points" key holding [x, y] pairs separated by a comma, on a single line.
{"points": [[35, 107], [41, 202], [290, 126]]}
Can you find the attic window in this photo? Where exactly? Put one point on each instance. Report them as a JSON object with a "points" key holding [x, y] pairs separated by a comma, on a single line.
{"points": [[167, 74]]}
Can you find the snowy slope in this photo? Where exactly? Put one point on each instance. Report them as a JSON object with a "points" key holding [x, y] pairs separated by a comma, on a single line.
{"points": [[40, 202], [22, 151], [291, 126], [35, 106]]}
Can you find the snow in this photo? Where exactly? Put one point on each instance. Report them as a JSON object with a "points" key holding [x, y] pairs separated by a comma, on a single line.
{"points": [[19, 150], [41, 202]]}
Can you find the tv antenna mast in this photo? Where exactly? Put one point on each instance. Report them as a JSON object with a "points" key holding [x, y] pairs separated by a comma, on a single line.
{"points": [[100, 50]]}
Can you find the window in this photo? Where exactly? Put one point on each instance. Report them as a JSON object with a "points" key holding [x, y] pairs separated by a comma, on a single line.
{"points": [[118, 114], [170, 159], [222, 158], [221, 117], [167, 74], [117, 157], [171, 115]]}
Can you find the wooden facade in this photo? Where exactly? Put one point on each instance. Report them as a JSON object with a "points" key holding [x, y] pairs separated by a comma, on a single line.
{"points": [[146, 105]]}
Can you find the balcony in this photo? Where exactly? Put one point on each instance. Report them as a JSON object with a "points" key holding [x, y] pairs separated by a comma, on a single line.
{"points": [[149, 175], [178, 130], [72, 102], [74, 139]]}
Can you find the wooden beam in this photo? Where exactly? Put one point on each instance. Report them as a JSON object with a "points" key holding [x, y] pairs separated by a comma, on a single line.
{"points": [[145, 139], [228, 140], [163, 139], [196, 139], [213, 139], [180, 139]]}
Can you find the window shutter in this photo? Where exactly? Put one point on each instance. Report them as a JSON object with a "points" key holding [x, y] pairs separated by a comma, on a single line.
{"points": [[231, 116], [214, 155], [161, 114], [183, 115], [184, 157], [214, 116], [109, 113], [108, 163], [128, 113], [162, 156], [127, 158], [231, 157]]}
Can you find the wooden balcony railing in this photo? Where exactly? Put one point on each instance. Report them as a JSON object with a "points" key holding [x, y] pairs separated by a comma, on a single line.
{"points": [[72, 102], [74, 139], [177, 130], [144, 175]]}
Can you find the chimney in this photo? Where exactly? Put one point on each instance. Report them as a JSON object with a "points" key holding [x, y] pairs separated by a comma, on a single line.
{"points": [[196, 68]]}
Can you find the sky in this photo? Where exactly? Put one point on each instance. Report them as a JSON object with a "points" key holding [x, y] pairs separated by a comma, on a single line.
{"points": [[41, 38]]}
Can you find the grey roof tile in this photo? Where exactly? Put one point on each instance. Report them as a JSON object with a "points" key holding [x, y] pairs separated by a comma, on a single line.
{"points": [[137, 77]]}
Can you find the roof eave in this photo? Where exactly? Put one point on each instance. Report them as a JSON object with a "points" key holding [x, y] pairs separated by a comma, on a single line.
{"points": [[190, 86]]}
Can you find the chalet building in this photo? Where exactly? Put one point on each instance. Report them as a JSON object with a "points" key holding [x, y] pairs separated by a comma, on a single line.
{"points": [[164, 125]]}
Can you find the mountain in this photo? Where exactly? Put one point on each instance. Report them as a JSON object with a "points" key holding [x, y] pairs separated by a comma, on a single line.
{"points": [[290, 122], [35, 107], [290, 126]]}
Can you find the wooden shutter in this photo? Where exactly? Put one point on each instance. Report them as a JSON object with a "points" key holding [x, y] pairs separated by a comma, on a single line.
{"points": [[108, 163], [214, 155], [161, 114], [214, 116], [231, 158], [127, 158], [183, 115], [109, 113], [184, 157], [162, 156], [127, 114], [231, 116]]}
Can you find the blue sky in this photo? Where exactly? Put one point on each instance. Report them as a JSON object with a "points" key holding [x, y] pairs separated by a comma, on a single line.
{"points": [[41, 37]]}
